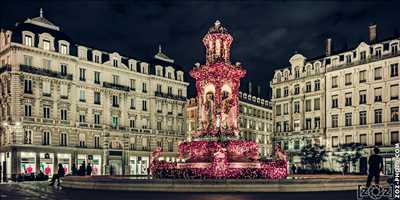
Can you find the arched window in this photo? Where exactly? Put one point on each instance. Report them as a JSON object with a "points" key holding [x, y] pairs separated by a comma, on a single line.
{"points": [[82, 140]]}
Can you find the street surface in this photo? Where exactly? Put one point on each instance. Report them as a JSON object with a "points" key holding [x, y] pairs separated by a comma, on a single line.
{"points": [[40, 190]]}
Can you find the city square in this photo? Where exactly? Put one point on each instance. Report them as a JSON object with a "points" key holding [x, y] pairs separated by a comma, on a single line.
{"points": [[213, 121]]}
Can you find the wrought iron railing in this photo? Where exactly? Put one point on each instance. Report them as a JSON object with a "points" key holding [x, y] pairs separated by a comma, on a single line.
{"points": [[170, 96], [45, 72], [5, 68], [116, 86]]}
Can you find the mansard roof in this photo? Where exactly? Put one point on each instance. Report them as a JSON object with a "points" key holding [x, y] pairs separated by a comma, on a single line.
{"points": [[40, 25]]}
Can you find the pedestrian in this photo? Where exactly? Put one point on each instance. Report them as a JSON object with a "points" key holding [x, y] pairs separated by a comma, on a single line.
{"points": [[111, 170], [58, 176], [74, 170], [375, 163], [293, 169], [89, 170], [82, 169], [345, 168]]}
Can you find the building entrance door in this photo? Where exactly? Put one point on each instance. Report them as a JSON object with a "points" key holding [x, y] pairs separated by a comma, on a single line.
{"points": [[115, 167]]}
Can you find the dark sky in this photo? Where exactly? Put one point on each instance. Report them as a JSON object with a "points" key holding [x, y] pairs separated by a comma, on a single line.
{"points": [[266, 33]]}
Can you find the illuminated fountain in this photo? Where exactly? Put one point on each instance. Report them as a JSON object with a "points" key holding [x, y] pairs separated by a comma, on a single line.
{"points": [[216, 150]]}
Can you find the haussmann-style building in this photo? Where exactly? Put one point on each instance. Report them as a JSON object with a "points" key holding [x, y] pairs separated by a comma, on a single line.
{"points": [[63, 102], [345, 97]]}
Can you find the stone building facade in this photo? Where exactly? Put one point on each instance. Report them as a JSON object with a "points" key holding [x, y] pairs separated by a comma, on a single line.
{"points": [[63, 102], [359, 100], [298, 99]]}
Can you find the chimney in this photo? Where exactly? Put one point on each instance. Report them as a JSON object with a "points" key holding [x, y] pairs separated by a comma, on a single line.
{"points": [[249, 88], [372, 32], [258, 91], [328, 46]]}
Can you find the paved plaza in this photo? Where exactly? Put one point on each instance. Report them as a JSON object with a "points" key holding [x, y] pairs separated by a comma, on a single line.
{"points": [[40, 190]]}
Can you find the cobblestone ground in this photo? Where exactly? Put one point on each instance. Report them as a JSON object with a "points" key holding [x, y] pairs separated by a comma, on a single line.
{"points": [[40, 190]]}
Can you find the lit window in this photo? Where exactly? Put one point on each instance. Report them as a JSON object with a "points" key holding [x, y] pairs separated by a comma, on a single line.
{"points": [[378, 73], [63, 49], [394, 70], [348, 99], [46, 45], [28, 40], [363, 76]]}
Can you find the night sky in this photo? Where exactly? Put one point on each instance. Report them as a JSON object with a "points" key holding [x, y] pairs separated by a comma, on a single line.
{"points": [[266, 33]]}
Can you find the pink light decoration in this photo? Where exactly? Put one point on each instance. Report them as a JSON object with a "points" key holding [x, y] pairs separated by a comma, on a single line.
{"points": [[216, 152]]}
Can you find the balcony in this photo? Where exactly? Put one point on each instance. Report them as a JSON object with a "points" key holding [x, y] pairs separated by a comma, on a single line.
{"points": [[97, 126], [29, 119], [365, 61], [47, 121], [116, 86], [170, 96], [5, 68], [83, 124], [115, 105], [44, 72]]}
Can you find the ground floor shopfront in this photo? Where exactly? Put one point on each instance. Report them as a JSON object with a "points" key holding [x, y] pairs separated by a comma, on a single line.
{"points": [[22, 160], [361, 165]]}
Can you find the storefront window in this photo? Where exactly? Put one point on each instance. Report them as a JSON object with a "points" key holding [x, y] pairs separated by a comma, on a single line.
{"points": [[138, 165], [94, 160], [28, 162], [96, 165], [46, 163], [80, 160], [65, 160]]}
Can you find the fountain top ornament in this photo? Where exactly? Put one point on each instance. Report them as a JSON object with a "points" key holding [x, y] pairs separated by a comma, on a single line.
{"points": [[217, 86], [216, 150]]}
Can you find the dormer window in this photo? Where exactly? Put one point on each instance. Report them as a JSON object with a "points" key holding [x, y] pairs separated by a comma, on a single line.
{"points": [[82, 52], [96, 58], [169, 75], [297, 73], [115, 62], [28, 40], [180, 76], [159, 71], [363, 56], [378, 52], [46, 45], [63, 49], [394, 48], [144, 67], [143, 70]]}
